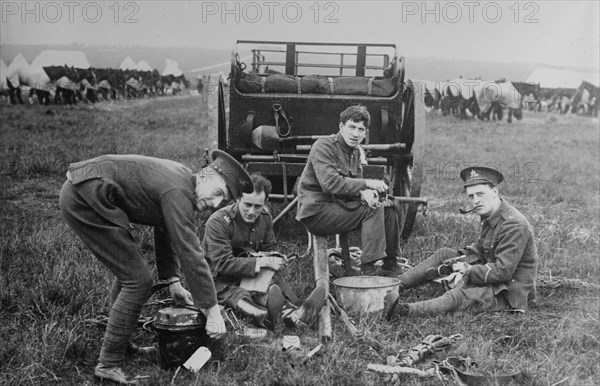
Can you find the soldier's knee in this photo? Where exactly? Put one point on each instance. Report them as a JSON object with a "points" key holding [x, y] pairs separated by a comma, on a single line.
{"points": [[144, 282]]}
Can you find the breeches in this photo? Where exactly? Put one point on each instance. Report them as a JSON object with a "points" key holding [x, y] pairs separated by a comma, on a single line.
{"points": [[230, 295], [116, 248], [380, 228]]}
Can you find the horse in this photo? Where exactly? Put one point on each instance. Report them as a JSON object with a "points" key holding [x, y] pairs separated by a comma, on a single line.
{"points": [[110, 82], [586, 99], [564, 104], [65, 79], [14, 90], [86, 80], [498, 96], [531, 94], [496, 112], [459, 97], [132, 84]]}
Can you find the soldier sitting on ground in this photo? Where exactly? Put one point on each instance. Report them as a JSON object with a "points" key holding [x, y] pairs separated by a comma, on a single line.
{"points": [[499, 270], [239, 244]]}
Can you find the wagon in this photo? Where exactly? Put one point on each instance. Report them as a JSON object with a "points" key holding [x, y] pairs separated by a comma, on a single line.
{"points": [[282, 96]]}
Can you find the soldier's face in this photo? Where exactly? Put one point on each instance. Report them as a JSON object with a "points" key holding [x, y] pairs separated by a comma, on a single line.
{"points": [[250, 205], [353, 132], [211, 191], [484, 198]]}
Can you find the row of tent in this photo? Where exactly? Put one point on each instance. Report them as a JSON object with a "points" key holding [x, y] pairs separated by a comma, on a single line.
{"points": [[171, 68], [76, 59]]}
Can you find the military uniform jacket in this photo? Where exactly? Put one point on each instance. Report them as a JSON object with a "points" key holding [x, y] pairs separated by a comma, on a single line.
{"points": [[507, 250], [333, 169], [156, 192], [228, 239]]}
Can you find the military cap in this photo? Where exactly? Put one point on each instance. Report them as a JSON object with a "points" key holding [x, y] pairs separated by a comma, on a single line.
{"points": [[235, 176], [476, 175]]}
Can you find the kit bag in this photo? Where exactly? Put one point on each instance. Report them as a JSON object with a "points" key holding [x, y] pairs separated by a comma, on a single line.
{"points": [[249, 83], [281, 84], [348, 85], [314, 84]]}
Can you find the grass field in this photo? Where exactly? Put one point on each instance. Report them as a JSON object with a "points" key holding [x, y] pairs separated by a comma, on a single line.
{"points": [[50, 285]]}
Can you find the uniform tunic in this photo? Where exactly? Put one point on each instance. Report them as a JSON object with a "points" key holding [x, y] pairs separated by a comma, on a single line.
{"points": [[228, 240], [131, 188], [503, 271], [332, 169], [329, 200], [508, 253]]}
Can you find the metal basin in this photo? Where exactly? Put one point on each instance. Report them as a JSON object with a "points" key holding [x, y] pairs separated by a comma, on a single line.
{"points": [[364, 293]]}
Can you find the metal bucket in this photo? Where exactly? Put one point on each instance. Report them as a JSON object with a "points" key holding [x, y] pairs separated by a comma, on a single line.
{"points": [[364, 293], [179, 331]]}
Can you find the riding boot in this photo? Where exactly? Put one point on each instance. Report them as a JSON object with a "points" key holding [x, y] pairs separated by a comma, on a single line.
{"points": [[275, 303], [368, 269], [390, 267], [115, 374], [426, 270], [392, 308], [256, 313]]}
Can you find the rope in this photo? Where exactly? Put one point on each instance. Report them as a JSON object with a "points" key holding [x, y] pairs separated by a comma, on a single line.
{"points": [[102, 320], [335, 255], [386, 369], [431, 343]]}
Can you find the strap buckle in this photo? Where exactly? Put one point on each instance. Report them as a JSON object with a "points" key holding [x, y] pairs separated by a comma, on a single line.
{"points": [[281, 131]]}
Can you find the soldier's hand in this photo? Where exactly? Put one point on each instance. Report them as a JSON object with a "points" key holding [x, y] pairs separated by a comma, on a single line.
{"points": [[387, 203], [377, 185], [461, 267], [270, 262], [215, 325], [370, 197], [180, 294]]}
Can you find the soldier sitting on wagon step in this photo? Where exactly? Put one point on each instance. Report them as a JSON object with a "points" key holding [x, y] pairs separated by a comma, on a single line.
{"points": [[499, 270], [239, 244], [333, 196]]}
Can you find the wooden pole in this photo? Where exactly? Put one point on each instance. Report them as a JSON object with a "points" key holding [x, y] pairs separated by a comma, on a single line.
{"points": [[321, 267]]}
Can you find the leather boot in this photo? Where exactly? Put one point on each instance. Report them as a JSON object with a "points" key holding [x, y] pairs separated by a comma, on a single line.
{"points": [[368, 269], [256, 313], [390, 267], [392, 308], [117, 375], [275, 303], [309, 308]]}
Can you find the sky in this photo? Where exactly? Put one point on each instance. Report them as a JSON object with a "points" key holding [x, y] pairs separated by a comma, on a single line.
{"points": [[561, 33]]}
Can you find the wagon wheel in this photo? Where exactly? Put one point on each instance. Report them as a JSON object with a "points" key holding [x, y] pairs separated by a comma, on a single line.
{"points": [[221, 128], [406, 174], [407, 184]]}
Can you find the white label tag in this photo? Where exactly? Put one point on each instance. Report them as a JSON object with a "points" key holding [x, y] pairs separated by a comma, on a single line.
{"points": [[198, 359]]}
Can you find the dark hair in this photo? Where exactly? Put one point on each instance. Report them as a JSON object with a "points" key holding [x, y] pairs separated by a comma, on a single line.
{"points": [[261, 184], [356, 113]]}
